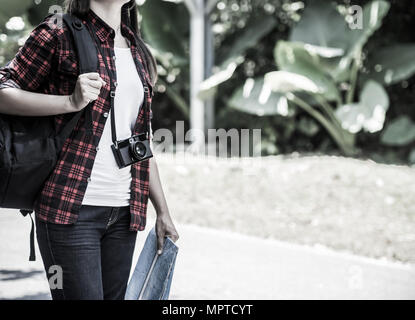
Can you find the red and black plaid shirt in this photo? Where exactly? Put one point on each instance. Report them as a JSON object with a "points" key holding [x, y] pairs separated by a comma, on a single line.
{"points": [[47, 63]]}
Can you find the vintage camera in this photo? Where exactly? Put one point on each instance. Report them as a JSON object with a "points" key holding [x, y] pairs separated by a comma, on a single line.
{"points": [[132, 150]]}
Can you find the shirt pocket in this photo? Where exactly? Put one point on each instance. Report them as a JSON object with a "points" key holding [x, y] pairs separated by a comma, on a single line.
{"points": [[68, 65]]}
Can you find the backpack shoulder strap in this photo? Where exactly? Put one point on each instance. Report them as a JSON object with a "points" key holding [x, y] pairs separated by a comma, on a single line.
{"points": [[84, 44], [88, 62]]}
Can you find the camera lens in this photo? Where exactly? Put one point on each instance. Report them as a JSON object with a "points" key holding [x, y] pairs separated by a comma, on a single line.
{"points": [[139, 150]]}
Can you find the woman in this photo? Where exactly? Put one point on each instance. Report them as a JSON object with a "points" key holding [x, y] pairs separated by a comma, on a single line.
{"points": [[89, 211]]}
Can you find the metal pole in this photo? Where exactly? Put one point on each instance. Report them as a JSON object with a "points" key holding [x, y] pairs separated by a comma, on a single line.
{"points": [[197, 72], [209, 62]]}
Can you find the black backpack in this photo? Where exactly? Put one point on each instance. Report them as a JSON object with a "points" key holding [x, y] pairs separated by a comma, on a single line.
{"points": [[30, 146]]}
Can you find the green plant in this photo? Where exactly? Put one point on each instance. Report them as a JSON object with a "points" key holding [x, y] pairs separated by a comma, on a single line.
{"points": [[321, 72], [165, 28], [323, 59]]}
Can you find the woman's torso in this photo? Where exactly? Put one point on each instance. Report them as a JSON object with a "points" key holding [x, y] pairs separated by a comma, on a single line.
{"points": [[62, 195], [110, 186]]}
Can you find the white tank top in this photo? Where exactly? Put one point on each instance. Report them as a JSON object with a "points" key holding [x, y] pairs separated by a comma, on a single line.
{"points": [[109, 185]]}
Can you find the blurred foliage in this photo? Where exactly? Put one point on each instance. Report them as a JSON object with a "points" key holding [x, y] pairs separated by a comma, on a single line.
{"points": [[165, 28], [246, 33], [17, 19], [389, 48], [323, 56]]}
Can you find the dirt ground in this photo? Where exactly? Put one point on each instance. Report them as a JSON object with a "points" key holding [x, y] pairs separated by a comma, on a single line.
{"points": [[351, 205]]}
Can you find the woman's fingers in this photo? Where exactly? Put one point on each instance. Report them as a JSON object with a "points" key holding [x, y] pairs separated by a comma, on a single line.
{"points": [[93, 90], [95, 84], [88, 88], [165, 228], [91, 76], [89, 96], [173, 236], [160, 243], [94, 77], [91, 86]]}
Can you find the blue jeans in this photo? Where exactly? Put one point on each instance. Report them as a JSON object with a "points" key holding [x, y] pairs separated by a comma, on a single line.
{"points": [[94, 254]]}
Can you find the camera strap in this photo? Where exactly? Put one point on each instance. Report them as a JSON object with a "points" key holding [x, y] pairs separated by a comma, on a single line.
{"points": [[112, 96]]}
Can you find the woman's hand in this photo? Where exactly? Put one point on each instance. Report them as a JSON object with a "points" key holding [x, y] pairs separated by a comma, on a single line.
{"points": [[165, 228], [164, 223], [87, 89]]}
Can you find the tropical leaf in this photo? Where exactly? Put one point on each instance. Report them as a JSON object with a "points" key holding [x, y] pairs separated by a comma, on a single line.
{"points": [[295, 58], [209, 86], [321, 25], [373, 14], [350, 117], [286, 82], [400, 132], [255, 97], [162, 28], [228, 60], [233, 54], [255, 29], [369, 113], [393, 64], [324, 52]]}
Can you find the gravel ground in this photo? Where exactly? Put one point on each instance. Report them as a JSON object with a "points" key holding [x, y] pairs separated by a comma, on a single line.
{"points": [[351, 205]]}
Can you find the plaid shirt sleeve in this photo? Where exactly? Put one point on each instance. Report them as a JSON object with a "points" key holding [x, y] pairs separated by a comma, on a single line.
{"points": [[32, 64]]}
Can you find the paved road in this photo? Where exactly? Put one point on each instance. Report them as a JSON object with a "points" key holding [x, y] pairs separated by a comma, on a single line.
{"points": [[214, 264]]}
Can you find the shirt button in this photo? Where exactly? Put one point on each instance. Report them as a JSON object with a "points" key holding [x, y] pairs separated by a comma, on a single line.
{"points": [[115, 84], [105, 115], [114, 57], [97, 148], [89, 180]]}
